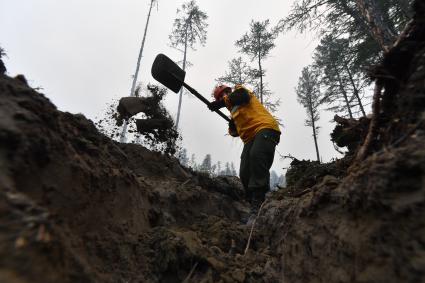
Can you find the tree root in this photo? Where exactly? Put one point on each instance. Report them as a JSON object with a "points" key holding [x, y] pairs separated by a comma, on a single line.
{"points": [[373, 127]]}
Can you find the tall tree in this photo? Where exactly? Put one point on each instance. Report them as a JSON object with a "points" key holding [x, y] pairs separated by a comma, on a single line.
{"points": [[189, 28], [340, 76], [369, 25], [257, 44], [227, 171], [206, 164], [136, 73], [192, 162], [182, 157], [239, 73], [232, 169], [308, 93], [218, 168]]}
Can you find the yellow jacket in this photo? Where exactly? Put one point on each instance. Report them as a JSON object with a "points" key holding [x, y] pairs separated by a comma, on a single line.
{"points": [[250, 117]]}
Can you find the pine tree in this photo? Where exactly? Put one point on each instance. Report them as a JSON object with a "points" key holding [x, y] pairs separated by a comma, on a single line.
{"points": [[218, 168], [189, 28], [308, 93], [369, 25], [214, 170], [239, 73], [206, 164], [227, 170], [232, 169], [182, 157], [193, 163], [342, 80], [257, 44]]}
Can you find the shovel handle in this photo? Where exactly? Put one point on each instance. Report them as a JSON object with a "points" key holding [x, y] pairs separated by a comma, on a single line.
{"points": [[204, 100]]}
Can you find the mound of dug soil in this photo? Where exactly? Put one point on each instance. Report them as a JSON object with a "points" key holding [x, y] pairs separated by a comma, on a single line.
{"points": [[77, 207]]}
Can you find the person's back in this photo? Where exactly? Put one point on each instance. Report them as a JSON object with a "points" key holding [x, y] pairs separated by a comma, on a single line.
{"points": [[249, 117]]}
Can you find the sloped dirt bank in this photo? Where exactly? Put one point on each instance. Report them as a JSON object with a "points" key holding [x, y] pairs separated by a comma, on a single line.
{"points": [[78, 207], [368, 223]]}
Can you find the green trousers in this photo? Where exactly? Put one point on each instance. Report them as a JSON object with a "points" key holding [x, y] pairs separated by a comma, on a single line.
{"points": [[256, 160]]}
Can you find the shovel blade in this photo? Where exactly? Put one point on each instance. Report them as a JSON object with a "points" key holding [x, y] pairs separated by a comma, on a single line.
{"points": [[168, 73]]}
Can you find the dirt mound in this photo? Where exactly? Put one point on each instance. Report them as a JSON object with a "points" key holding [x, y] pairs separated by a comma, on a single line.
{"points": [[367, 224], [76, 206], [79, 207]]}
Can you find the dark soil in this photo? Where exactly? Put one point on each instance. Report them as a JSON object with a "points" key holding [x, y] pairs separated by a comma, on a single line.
{"points": [[76, 206], [350, 133]]}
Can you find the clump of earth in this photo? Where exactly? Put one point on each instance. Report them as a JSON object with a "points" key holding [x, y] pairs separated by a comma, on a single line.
{"points": [[155, 129]]}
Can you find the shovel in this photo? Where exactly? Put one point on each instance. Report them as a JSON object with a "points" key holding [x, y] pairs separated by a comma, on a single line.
{"points": [[168, 73]]}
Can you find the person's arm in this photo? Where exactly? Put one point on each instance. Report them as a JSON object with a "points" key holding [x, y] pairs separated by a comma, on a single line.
{"points": [[232, 129], [238, 97]]}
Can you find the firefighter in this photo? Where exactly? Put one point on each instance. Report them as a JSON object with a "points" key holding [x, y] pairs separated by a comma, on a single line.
{"points": [[259, 132]]}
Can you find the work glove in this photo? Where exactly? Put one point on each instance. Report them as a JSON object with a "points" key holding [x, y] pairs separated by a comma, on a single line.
{"points": [[216, 105], [232, 129]]}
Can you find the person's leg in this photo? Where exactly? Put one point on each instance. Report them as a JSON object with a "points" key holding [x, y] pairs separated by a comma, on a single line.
{"points": [[261, 157], [244, 168]]}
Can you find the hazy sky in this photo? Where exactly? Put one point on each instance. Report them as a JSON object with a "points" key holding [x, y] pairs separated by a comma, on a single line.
{"points": [[83, 54]]}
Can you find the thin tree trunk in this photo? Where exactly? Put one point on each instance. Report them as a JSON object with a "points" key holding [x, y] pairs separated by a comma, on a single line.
{"points": [[356, 91], [261, 79], [344, 93], [181, 91], [136, 73], [315, 142], [314, 128], [380, 31], [261, 71], [240, 75]]}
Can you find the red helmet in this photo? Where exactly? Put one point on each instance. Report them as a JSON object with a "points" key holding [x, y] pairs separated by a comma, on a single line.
{"points": [[218, 91]]}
